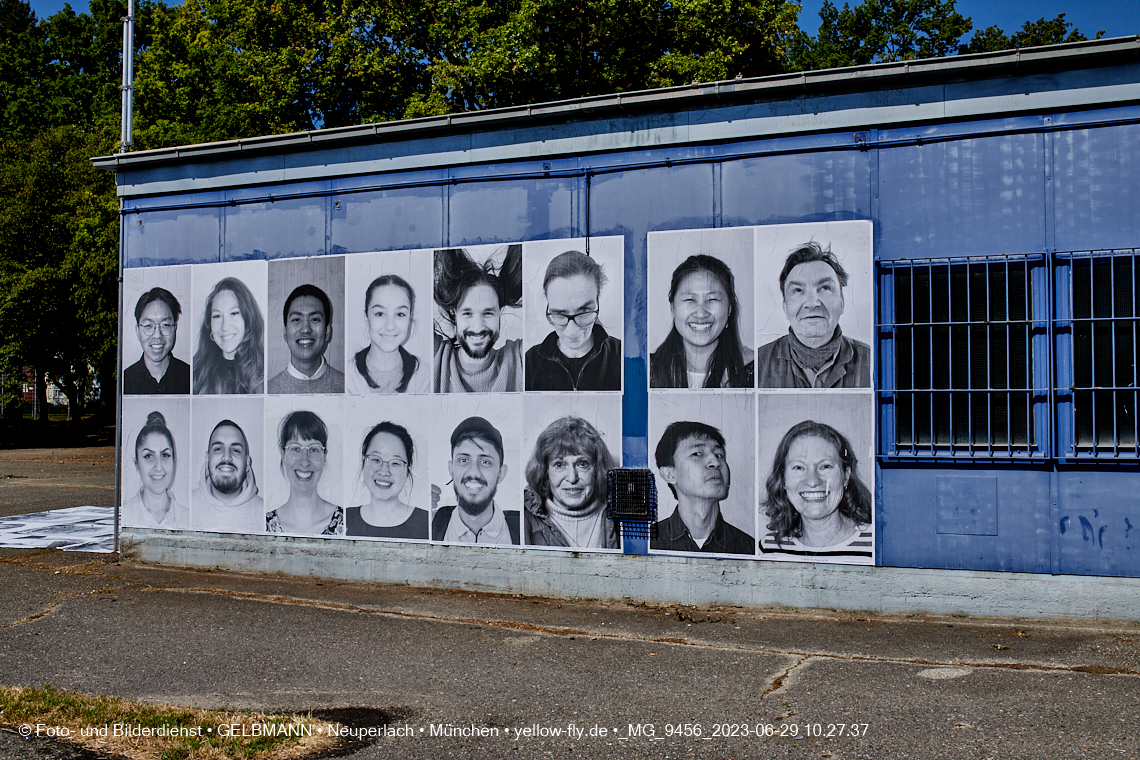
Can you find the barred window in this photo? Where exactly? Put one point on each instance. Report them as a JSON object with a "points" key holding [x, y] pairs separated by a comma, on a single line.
{"points": [[963, 351], [1105, 298]]}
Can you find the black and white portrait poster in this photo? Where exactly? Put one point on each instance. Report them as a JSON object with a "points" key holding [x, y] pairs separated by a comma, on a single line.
{"points": [[702, 449], [574, 312], [229, 328], [700, 311], [158, 331], [304, 465], [304, 329], [817, 470], [387, 468], [227, 464], [815, 305], [478, 319], [477, 468], [388, 322], [570, 442], [156, 462]]}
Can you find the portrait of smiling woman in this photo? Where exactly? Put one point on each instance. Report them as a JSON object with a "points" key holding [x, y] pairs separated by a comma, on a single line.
{"points": [[155, 458], [230, 355], [387, 457], [303, 442]]}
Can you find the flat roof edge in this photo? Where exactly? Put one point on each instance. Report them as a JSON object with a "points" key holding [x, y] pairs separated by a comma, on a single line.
{"points": [[980, 65]]}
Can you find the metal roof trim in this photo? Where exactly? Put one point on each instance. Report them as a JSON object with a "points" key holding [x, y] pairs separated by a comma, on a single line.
{"points": [[689, 96]]}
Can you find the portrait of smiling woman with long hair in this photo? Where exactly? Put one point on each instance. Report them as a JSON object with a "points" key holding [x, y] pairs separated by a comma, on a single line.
{"points": [[230, 356]]}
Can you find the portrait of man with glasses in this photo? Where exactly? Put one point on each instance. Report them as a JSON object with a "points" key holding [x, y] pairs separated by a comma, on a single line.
{"points": [[578, 355], [156, 326]]}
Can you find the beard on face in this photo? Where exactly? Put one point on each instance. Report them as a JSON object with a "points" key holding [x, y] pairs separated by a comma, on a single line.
{"points": [[477, 506], [467, 336], [227, 484]]}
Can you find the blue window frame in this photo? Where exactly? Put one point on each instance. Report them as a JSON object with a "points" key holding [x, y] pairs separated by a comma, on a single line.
{"points": [[965, 358]]}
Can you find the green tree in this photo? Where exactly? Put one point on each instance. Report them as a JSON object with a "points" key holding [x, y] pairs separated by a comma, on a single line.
{"points": [[1043, 31]]}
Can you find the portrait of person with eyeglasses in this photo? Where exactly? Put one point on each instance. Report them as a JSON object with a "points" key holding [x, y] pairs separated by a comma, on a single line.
{"points": [[156, 326], [387, 455], [578, 354], [303, 441]]}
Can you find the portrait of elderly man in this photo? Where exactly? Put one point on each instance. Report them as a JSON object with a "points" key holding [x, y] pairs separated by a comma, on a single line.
{"points": [[156, 326], [308, 330], [226, 499], [691, 459], [471, 297], [476, 468], [815, 353]]}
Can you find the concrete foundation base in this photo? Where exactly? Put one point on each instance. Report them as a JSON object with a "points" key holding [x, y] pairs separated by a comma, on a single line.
{"points": [[650, 579]]}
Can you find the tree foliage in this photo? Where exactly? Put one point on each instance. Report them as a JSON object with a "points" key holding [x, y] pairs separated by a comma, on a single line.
{"points": [[1043, 31]]}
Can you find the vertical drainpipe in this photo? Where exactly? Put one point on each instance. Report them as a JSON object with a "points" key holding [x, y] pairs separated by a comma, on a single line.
{"points": [[125, 142]]}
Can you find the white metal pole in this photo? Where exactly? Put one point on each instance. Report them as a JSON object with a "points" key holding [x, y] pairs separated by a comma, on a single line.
{"points": [[126, 137]]}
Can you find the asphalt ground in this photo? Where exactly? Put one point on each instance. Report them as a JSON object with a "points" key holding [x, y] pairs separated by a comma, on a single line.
{"points": [[36, 480], [661, 681]]}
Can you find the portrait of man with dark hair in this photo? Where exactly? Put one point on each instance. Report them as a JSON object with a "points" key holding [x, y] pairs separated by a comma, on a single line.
{"points": [[692, 461], [476, 469], [814, 353], [156, 326], [226, 497], [471, 298], [308, 330]]}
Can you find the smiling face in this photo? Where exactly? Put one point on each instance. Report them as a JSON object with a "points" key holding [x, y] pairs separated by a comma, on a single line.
{"points": [[389, 317], [477, 321], [227, 326], [814, 477], [700, 470], [154, 459], [228, 460], [571, 481], [385, 467], [476, 472], [307, 331], [813, 302], [303, 464], [159, 343], [700, 308], [569, 297]]}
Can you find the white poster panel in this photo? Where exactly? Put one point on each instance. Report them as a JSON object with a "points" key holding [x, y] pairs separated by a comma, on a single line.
{"points": [[570, 442], [703, 455], [388, 322], [156, 462], [229, 323], [478, 319], [817, 477], [574, 314], [304, 463], [227, 460], [818, 331], [303, 326], [387, 467], [156, 314], [477, 468], [700, 312]]}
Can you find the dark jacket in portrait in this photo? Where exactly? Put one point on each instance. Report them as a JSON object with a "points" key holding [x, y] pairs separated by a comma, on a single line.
{"points": [[673, 536], [777, 365], [442, 519], [137, 379], [540, 530], [547, 369], [416, 526]]}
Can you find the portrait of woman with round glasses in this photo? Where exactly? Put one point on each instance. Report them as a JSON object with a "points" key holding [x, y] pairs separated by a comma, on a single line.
{"points": [[303, 440], [578, 354], [387, 455]]}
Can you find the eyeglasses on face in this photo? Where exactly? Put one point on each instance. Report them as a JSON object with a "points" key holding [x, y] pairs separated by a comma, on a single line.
{"points": [[314, 450], [394, 465], [582, 318], [166, 327]]}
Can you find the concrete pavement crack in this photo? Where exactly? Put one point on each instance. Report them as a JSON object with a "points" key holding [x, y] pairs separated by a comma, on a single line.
{"points": [[34, 616], [564, 631]]}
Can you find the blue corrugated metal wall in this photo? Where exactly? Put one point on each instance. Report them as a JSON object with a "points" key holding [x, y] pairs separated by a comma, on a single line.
{"points": [[1019, 188]]}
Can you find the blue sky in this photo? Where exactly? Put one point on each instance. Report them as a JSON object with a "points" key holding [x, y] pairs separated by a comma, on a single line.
{"points": [[1118, 18]]}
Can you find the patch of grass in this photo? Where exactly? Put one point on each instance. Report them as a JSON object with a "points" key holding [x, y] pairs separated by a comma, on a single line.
{"points": [[162, 732]]}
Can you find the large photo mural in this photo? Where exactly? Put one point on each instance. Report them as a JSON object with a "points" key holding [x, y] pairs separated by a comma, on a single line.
{"points": [[474, 395]]}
